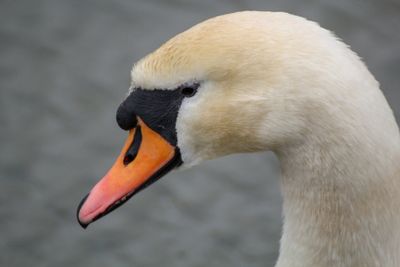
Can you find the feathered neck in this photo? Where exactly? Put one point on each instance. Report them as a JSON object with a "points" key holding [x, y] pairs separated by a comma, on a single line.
{"points": [[341, 190]]}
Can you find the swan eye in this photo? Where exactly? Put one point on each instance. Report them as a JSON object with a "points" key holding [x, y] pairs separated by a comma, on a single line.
{"points": [[189, 91]]}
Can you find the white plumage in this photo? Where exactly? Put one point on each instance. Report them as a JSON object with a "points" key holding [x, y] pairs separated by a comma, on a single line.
{"points": [[274, 81]]}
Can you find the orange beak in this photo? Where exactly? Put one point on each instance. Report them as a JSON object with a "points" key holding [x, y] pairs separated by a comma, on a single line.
{"points": [[145, 157]]}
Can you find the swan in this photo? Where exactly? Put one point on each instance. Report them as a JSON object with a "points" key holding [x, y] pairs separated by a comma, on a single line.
{"points": [[256, 81]]}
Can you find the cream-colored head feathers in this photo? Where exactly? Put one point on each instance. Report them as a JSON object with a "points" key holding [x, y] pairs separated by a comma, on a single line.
{"points": [[261, 73], [274, 81]]}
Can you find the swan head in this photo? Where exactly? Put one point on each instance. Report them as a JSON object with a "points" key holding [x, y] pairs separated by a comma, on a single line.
{"points": [[240, 71], [242, 82]]}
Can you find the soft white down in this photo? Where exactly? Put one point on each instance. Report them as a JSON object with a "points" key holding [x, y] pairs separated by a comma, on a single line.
{"points": [[274, 81]]}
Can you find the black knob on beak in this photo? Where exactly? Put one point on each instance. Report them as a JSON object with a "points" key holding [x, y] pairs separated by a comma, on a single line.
{"points": [[126, 118]]}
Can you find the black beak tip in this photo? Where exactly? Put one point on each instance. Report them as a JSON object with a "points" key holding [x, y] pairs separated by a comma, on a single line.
{"points": [[84, 225]]}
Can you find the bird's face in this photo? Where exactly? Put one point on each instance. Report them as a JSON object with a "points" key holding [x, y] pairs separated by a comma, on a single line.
{"points": [[216, 89], [169, 128]]}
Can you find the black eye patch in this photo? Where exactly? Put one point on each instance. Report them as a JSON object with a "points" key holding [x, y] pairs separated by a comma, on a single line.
{"points": [[157, 108]]}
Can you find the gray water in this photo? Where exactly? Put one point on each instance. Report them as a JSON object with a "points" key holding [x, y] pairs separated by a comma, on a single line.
{"points": [[64, 68]]}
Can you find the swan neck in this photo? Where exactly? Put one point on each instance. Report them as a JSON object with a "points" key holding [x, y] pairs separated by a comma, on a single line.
{"points": [[341, 200]]}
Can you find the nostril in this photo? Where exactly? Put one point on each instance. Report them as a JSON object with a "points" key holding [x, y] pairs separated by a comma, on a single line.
{"points": [[128, 158], [133, 149]]}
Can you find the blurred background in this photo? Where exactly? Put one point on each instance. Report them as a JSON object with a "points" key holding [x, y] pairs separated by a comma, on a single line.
{"points": [[64, 69]]}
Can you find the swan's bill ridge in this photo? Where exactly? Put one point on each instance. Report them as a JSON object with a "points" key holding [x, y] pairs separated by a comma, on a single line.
{"points": [[145, 157]]}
